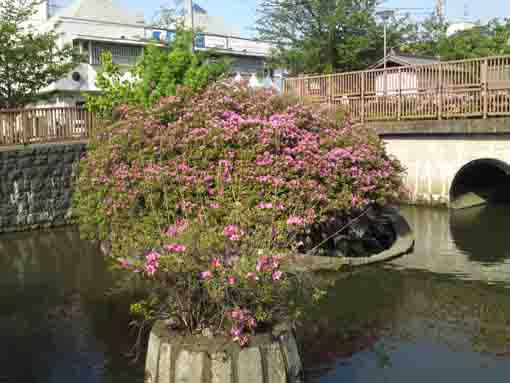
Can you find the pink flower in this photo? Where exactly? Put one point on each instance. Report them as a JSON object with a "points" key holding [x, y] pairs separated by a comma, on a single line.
{"points": [[180, 226], [235, 333], [231, 280], [252, 323], [244, 340], [295, 221], [205, 275], [237, 314], [175, 248], [150, 269], [124, 264], [277, 275], [263, 261], [216, 263], [263, 205], [153, 256], [233, 232], [215, 205]]}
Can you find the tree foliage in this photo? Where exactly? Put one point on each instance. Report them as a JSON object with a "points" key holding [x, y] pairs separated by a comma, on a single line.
{"points": [[489, 39], [29, 60], [159, 72], [326, 35]]}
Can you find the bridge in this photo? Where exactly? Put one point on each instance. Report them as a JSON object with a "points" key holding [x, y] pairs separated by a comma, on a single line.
{"points": [[448, 123]]}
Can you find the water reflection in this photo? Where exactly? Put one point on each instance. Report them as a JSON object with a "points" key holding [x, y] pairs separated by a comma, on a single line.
{"points": [[56, 324], [470, 244], [440, 314], [482, 233]]}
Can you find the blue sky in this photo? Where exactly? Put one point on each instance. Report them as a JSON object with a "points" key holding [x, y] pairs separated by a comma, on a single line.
{"points": [[243, 12]]}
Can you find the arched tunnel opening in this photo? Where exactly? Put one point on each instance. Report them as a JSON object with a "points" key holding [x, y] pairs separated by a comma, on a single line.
{"points": [[480, 182]]}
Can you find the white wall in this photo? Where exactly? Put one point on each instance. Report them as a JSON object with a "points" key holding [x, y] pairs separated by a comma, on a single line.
{"points": [[433, 162], [409, 82]]}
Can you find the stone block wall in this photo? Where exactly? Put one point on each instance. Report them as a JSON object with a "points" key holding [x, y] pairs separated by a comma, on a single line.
{"points": [[36, 184]]}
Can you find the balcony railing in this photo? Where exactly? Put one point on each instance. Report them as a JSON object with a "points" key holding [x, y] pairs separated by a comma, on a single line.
{"points": [[36, 126], [475, 88]]}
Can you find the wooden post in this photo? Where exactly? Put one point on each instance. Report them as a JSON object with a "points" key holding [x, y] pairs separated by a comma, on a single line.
{"points": [[24, 126], [330, 91], [440, 93], [485, 87], [399, 112], [362, 96]]}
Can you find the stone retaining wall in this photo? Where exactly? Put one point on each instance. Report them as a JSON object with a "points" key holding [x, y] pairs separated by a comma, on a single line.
{"points": [[36, 185]]}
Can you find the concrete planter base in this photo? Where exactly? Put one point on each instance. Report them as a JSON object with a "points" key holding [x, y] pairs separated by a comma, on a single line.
{"points": [[172, 358]]}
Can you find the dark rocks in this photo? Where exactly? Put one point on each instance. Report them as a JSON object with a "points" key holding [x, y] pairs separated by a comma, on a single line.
{"points": [[356, 236]]}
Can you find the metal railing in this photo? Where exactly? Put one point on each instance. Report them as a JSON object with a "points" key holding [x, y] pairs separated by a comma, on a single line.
{"points": [[475, 88], [42, 125]]}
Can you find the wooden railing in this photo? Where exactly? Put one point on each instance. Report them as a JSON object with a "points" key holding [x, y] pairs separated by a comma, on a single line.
{"points": [[476, 88], [29, 126]]}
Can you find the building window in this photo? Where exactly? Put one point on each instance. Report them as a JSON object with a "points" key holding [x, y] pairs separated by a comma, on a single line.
{"points": [[121, 54], [200, 41]]}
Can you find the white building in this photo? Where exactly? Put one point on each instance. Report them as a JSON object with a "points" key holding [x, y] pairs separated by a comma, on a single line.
{"points": [[93, 26], [459, 27]]}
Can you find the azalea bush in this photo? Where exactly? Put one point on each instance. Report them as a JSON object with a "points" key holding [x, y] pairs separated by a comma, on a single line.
{"points": [[205, 195]]}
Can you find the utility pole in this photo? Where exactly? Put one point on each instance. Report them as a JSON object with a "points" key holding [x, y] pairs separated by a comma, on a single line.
{"points": [[190, 22], [440, 11]]}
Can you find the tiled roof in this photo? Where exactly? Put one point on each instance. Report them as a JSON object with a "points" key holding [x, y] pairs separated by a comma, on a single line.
{"points": [[406, 59]]}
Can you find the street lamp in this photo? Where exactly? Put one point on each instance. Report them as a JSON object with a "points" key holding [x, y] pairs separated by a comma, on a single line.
{"points": [[385, 15]]}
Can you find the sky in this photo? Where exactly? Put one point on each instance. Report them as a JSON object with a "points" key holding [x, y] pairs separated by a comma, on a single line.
{"points": [[243, 12]]}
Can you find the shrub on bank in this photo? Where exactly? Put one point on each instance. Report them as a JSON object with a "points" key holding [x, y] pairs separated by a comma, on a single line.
{"points": [[205, 194]]}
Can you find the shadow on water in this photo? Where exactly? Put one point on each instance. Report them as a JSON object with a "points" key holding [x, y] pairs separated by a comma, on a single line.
{"points": [[56, 323], [482, 232], [439, 314]]}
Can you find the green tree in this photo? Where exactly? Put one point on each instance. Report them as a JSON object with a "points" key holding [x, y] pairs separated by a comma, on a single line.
{"points": [[29, 60], [425, 38], [485, 40], [490, 39], [159, 72], [327, 35]]}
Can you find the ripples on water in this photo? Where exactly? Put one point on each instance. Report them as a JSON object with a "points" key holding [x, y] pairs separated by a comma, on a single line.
{"points": [[440, 314], [56, 324]]}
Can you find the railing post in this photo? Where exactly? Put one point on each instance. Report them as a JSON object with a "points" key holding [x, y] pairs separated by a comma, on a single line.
{"points": [[440, 93], [362, 96], [399, 112], [485, 87], [330, 91], [24, 124]]}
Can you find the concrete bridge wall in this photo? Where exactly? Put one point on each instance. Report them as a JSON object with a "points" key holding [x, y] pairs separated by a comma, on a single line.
{"points": [[36, 185], [435, 152], [433, 162]]}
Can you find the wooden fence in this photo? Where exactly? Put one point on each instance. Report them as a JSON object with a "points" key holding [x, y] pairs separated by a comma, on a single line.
{"points": [[28, 126], [475, 88]]}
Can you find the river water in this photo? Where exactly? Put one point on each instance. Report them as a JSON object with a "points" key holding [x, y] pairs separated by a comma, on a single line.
{"points": [[439, 314]]}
